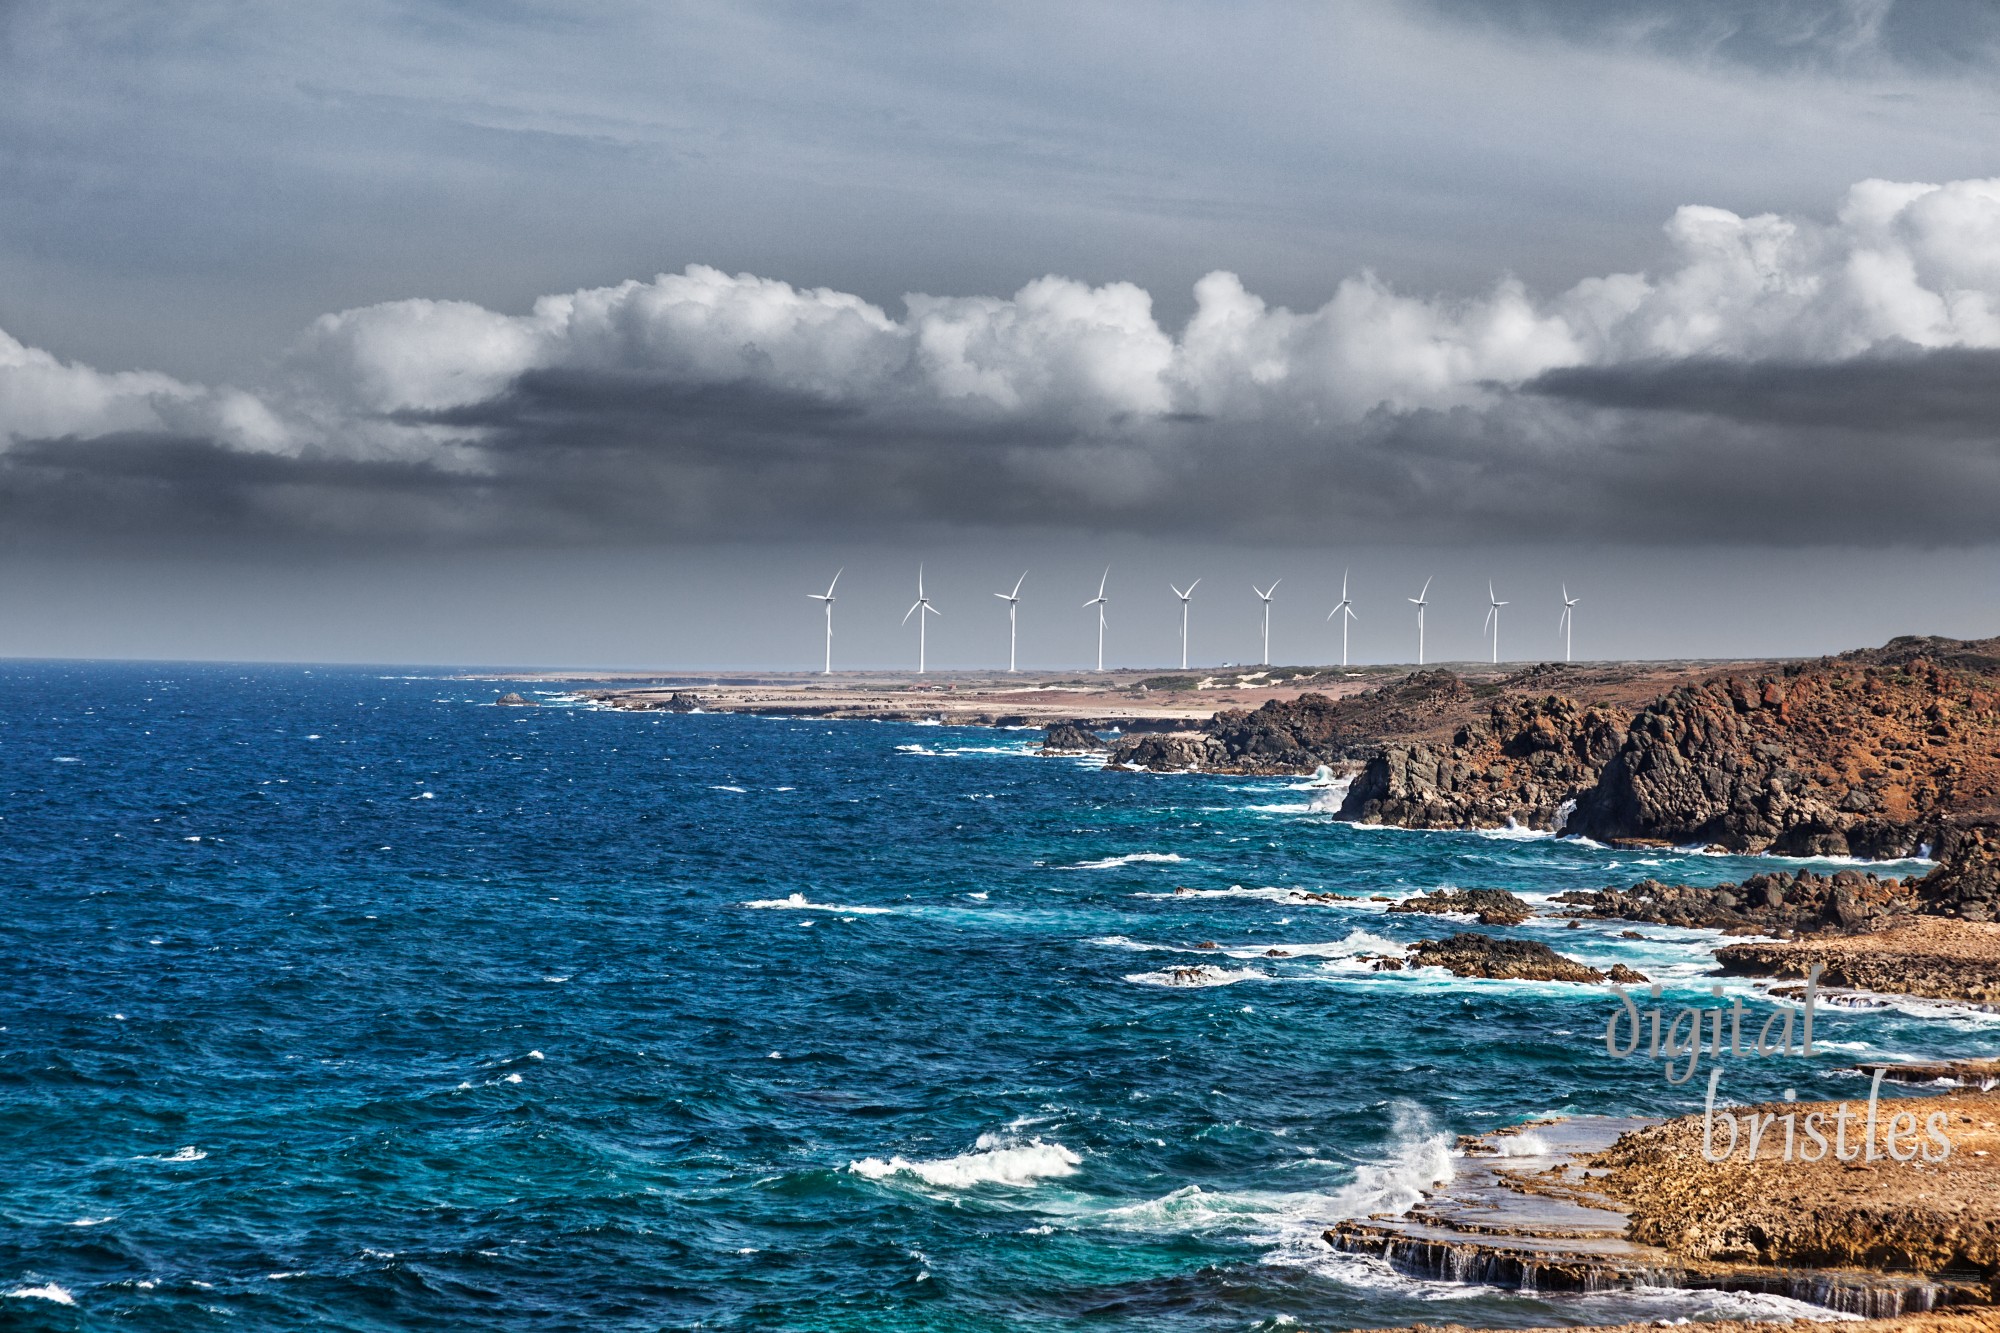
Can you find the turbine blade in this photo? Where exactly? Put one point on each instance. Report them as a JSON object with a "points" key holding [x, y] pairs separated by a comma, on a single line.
{"points": [[1427, 589], [1017, 585], [912, 611], [836, 579], [1193, 586]]}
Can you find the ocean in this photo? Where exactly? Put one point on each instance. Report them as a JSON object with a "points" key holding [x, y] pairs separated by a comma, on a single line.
{"points": [[337, 998]]}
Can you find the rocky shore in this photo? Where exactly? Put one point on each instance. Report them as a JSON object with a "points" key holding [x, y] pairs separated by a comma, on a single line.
{"points": [[1876, 753], [1596, 1204], [1925, 956]]}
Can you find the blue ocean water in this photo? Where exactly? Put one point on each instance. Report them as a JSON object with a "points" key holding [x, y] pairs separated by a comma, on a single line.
{"points": [[343, 999]]}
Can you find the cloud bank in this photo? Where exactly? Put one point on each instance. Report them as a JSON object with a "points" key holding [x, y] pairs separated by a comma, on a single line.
{"points": [[1769, 376]]}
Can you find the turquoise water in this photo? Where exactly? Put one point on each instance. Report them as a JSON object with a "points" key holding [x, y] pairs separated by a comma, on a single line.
{"points": [[339, 999]]}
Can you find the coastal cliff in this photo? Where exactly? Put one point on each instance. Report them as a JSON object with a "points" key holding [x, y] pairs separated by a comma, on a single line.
{"points": [[1875, 753]]}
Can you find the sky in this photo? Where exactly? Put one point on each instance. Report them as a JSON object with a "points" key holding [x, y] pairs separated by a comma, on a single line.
{"points": [[601, 333]]}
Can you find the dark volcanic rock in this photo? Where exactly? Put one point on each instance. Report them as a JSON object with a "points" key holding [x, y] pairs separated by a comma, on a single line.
{"points": [[1966, 883], [1070, 738], [1523, 763], [1298, 735], [1473, 955], [512, 700], [1171, 753], [1863, 754], [1772, 904], [683, 701], [1493, 907]]}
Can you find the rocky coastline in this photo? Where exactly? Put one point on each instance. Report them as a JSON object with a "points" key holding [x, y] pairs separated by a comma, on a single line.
{"points": [[1877, 753], [1597, 1204]]}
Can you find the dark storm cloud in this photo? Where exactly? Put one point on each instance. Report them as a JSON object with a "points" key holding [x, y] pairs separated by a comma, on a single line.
{"points": [[1950, 393]]}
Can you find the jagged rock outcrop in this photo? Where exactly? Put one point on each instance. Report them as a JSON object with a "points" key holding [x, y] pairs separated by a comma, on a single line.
{"points": [[1493, 907], [1865, 754], [1171, 753], [1474, 955], [1873, 753], [1523, 764], [1298, 735], [1070, 738], [683, 701], [1773, 904], [514, 700], [1966, 883]]}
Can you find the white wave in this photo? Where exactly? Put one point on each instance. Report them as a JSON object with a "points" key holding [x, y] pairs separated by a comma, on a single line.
{"points": [[1525, 1144], [992, 1161], [1134, 858], [90, 1221], [1198, 977], [187, 1154], [797, 902], [68, 759], [1680, 1305], [1270, 893], [738, 790], [46, 1292]]}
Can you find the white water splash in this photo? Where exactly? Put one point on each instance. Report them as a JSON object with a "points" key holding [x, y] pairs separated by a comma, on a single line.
{"points": [[797, 902], [992, 1161]]}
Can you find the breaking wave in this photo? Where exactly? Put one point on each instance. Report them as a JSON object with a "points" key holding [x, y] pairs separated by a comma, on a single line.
{"points": [[797, 902], [992, 1161], [1133, 858]]}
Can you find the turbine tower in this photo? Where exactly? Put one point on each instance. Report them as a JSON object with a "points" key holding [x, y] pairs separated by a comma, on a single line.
{"points": [[1346, 611], [1265, 595], [1100, 601], [1493, 619], [827, 597], [1568, 619], [1419, 602], [1184, 606], [923, 604], [1013, 600]]}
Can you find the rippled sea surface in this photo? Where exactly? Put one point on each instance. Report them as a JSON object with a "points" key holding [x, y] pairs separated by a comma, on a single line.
{"points": [[342, 999]]}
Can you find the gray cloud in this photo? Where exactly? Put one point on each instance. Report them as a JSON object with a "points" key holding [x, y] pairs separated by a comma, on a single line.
{"points": [[1764, 373]]}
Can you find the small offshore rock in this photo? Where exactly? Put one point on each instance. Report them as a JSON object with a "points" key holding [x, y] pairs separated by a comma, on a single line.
{"points": [[1493, 907], [1473, 955], [1070, 738]]}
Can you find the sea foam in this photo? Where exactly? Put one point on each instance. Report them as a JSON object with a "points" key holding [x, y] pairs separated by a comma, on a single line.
{"points": [[797, 902], [992, 1161], [1133, 858]]}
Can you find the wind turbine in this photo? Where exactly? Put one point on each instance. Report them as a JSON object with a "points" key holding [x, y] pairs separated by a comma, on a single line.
{"points": [[1347, 607], [923, 604], [1493, 619], [827, 597], [1184, 606], [1419, 602], [1265, 594], [1100, 601], [1013, 600], [1568, 619]]}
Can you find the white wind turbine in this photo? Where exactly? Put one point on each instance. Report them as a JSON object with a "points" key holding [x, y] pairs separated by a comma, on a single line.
{"points": [[1346, 611], [1013, 600], [1184, 613], [923, 604], [827, 597], [1568, 619], [1493, 620], [1419, 602], [1265, 595], [1100, 602]]}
